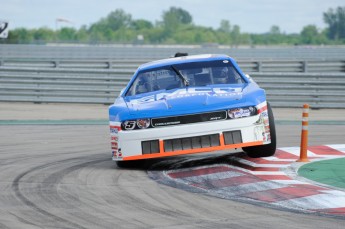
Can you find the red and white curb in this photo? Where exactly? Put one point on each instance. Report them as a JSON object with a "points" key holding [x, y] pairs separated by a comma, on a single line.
{"points": [[270, 181]]}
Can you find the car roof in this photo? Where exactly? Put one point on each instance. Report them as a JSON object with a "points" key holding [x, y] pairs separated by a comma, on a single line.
{"points": [[183, 59]]}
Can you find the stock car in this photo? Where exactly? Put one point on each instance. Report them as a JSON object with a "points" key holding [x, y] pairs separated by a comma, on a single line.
{"points": [[190, 104]]}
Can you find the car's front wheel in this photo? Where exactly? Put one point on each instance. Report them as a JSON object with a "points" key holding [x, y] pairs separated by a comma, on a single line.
{"points": [[127, 164], [264, 150]]}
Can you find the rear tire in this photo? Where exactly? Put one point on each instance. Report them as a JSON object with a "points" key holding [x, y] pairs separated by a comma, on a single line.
{"points": [[264, 150]]}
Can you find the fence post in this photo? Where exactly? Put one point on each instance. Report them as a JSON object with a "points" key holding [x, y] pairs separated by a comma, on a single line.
{"points": [[304, 66], [304, 135]]}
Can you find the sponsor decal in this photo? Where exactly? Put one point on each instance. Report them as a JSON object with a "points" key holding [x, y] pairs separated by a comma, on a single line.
{"points": [[117, 153], [213, 92], [264, 113], [259, 133], [188, 119], [115, 129], [167, 123], [239, 113], [215, 118], [114, 145], [114, 140]]}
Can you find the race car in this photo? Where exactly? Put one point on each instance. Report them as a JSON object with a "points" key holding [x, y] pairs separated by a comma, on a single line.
{"points": [[187, 105]]}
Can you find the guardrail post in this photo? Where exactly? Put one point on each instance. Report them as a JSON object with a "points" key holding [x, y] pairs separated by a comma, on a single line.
{"points": [[304, 66], [304, 135], [109, 64], [56, 63], [259, 66]]}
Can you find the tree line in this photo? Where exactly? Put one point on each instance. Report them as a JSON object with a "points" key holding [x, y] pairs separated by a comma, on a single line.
{"points": [[176, 27]]}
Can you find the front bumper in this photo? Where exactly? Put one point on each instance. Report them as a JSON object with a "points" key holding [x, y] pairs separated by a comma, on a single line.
{"points": [[188, 139]]}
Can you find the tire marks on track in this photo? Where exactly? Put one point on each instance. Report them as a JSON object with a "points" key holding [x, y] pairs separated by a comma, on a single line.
{"points": [[57, 177]]}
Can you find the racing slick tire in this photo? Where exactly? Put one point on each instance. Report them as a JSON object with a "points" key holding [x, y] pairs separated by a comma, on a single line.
{"points": [[127, 164], [133, 164], [264, 150]]}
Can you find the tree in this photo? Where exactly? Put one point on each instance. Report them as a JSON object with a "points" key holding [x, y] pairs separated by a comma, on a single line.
{"points": [[309, 34], [115, 20], [225, 26], [67, 34], [275, 29], [43, 35], [173, 18], [179, 15], [336, 23], [141, 24], [20, 35], [236, 35], [118, 19]]}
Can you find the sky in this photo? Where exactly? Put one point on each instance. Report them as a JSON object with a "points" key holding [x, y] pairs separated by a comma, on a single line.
{"points": [[253, 16]]}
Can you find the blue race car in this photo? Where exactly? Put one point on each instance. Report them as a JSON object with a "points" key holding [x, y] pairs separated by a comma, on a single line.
{"points": [[187, 105]]}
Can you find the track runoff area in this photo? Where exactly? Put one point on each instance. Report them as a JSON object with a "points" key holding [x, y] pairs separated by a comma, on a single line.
{"points": [[302, 179], [278, 182]]}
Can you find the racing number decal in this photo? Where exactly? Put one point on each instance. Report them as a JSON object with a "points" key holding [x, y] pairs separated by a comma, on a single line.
{"points": [[129, 125]]}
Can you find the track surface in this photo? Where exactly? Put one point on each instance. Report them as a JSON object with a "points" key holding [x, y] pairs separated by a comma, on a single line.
{"points": [[62, 177]]}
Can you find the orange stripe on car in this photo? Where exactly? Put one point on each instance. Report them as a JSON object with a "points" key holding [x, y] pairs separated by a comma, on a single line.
{"points": [[192, 151]]}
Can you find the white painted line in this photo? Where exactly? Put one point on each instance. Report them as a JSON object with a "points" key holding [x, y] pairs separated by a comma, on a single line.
{"points": [[248, 188], [267, 173], [211, 177], [253, 164], [296, 151], [339, 147], [320, 201], [289, 182]]}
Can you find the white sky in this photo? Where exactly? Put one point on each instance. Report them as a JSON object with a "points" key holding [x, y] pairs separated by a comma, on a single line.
{"points": [[254, 16]]}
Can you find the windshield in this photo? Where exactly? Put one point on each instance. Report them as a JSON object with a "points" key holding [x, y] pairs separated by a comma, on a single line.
{"points": [[182, 75]]}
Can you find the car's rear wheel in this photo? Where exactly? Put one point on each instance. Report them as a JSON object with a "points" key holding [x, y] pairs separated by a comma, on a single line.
{"points": [[264, 150]]}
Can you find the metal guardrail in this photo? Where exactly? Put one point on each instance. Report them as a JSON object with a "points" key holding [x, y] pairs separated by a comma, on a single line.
{"points": [[127, 51], [319, 83], [317, 66]]}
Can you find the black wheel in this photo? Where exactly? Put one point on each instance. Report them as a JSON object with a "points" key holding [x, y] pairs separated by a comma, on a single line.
{"points": [[264, 150], [127, 164]]}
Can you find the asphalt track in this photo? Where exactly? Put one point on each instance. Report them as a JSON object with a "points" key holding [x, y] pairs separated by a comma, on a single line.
{"points": [[59, 175]]}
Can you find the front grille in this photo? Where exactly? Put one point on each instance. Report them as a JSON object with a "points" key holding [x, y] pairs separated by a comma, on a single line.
{"points": [[149, 147], [198, 142], [186, 119], [232, 137]]}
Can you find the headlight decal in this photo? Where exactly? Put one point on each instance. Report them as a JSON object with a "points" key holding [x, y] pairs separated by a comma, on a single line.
{"points": [[143, 123], [242, 112]]}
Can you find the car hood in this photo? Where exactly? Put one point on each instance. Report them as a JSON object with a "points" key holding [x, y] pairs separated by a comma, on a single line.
{"points": [[186, 100]]}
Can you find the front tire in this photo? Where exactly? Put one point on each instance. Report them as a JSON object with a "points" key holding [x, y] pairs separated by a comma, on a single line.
{"points": [[127, 164], [265, 150]]}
